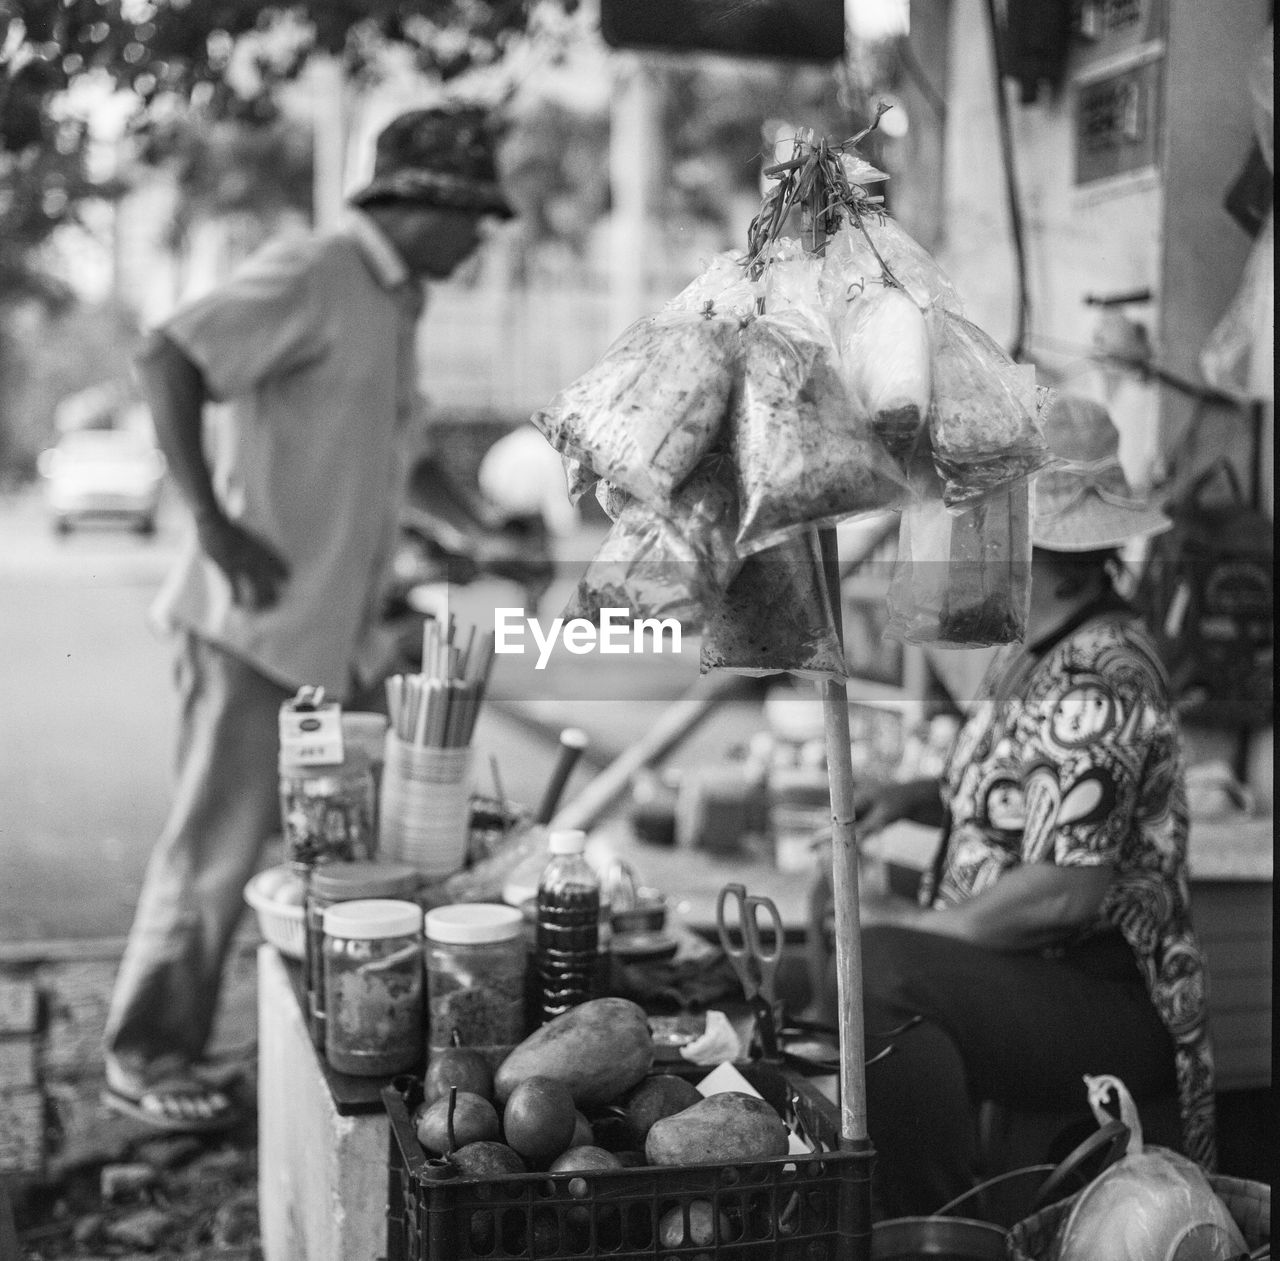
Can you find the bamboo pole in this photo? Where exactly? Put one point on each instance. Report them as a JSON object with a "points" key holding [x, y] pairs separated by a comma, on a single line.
{"points": [[844, 882]]}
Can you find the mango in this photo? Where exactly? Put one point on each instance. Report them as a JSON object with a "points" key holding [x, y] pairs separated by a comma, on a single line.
{"points": [[474, 1120], [598, 1049], [538, 1120], [660, 1095], [722, 1129]]}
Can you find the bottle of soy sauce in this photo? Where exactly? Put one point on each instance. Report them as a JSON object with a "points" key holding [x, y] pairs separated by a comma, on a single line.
{"points": [[567, 939]]}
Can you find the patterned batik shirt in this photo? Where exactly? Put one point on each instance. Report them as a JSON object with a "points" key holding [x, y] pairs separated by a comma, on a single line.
{"points": [[1073, 757]]}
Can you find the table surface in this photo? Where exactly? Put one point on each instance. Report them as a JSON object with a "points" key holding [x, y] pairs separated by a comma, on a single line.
{"points": [[1220, 850]]}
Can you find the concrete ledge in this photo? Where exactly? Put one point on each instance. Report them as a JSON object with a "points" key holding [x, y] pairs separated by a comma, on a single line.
{"points": [[322, 1181]]}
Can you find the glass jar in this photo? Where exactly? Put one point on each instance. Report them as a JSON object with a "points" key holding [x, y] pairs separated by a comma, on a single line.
{"points": [[373, 987], [476, 957], [344, 882], [327, 811]]}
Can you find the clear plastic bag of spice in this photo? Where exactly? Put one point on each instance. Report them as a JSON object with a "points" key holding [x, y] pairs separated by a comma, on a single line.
{"points": [[963, 579], [724, 284], [669, 562], [652, 406], [776, 617], [805, 453], [849, 263], [983, 426], [612, 499], [579, 477]]}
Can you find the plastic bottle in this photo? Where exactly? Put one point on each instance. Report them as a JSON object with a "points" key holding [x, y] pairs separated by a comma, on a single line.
{"points": [[567, 937]]}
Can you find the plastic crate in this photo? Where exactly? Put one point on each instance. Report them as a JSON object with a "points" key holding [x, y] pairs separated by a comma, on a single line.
{"points": [[802, 1208]]}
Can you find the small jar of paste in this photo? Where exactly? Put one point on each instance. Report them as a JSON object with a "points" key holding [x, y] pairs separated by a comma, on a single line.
{"points": [[374, 1014]]}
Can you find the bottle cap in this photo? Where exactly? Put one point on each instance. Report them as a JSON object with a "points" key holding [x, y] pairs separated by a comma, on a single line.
{"points": [[567, 842], [372, 918], [473, 923], [365, 880]]}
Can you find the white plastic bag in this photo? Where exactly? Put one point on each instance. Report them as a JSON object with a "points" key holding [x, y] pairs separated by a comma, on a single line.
{"points": [[886, 363], [1150, 1203], [1239, 356]]}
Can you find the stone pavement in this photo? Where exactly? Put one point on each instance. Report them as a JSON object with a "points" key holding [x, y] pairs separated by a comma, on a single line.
{"points": [[85, 1182]]}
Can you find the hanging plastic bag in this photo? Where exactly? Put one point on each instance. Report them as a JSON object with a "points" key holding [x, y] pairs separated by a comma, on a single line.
{"points": [[1151, 1203], [776, 617], [612, 499], [652, 406], [962, 579], [850, 262], [668, 563], [579, 478], [805, 453], [1239, 357], [724, 284], [982, 426], [885, 360]]}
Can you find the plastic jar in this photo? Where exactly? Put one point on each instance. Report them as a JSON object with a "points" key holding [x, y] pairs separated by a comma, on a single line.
{"points": [[344, 882], [476, 961], [328, 812], [373, 986]]}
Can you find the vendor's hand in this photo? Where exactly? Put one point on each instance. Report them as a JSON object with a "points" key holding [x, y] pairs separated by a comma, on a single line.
{"points": [[255, 571]]}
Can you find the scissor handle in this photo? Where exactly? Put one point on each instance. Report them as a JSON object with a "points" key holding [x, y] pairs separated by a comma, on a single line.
{"points": [[736, 953], [766, 960], [754, 964]]}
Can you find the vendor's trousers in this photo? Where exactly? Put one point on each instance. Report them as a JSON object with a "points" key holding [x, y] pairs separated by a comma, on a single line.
{"points": [[225, 805], [1018, 1029]]}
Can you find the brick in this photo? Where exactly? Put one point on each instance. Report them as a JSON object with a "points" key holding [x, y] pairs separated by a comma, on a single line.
{"points": [[22, 1131], [77, 997], [19, 1005]]}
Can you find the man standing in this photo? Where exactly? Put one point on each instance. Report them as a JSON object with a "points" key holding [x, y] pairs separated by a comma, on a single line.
{"points": [[295, 491]]}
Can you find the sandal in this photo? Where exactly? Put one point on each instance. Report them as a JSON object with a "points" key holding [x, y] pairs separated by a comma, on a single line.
{"points": [[178, 1105]]}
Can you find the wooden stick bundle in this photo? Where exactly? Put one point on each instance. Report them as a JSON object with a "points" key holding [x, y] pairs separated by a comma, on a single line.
{"points": [[438, 708]]}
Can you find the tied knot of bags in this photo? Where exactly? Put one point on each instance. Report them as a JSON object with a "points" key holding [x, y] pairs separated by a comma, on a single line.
{"points": [[1062, 486]]}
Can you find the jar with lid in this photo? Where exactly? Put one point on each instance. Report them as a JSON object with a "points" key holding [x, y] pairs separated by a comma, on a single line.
{"points": [[373, 986], [476, 958], [344, 882], [327, 810]]}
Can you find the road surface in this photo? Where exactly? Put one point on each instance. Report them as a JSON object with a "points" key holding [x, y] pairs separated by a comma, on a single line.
{"points": [[87, 717]]}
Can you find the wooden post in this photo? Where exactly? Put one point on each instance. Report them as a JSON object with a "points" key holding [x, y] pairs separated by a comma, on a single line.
{"points": [[844, 882]]}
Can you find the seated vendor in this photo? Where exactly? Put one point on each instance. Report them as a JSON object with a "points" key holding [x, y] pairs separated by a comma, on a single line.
{"points": [[1052, 937]]}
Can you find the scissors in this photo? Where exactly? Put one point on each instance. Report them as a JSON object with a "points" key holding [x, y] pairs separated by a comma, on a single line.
{"points": [[756, 965]]}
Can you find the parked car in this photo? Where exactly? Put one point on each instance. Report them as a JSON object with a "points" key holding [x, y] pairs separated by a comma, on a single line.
{"points": [[103, 474]]}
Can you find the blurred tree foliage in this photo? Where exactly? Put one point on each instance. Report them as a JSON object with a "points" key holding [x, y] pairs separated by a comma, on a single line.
{"points": [[225, 57], [206, 77]]}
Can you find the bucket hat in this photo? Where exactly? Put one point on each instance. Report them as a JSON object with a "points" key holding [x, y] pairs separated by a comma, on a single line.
{"points": [[442, 157], [1084, 501]]}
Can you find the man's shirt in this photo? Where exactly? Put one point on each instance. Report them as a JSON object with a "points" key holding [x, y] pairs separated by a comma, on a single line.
{"points": [[310, 346]]}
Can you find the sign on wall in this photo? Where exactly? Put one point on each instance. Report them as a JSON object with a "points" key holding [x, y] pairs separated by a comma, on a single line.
{"points": [[1118, 122]]}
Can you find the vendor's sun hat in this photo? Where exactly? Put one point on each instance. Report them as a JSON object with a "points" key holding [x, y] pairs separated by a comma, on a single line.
{"points": [[443, 157], [1084, 502]]}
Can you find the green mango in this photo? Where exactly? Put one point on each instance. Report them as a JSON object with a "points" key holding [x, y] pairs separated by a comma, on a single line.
{"points": [[598, 1049], [722, 1129]]}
